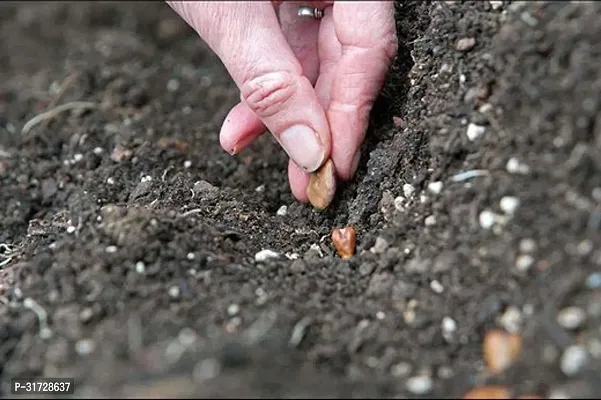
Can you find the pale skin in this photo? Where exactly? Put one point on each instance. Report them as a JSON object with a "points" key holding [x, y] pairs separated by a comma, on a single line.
{"points": [[311, 83]]}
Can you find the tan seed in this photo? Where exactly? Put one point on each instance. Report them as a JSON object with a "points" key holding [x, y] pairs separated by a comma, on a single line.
{"points": [[500, 350], [322, 186], [488, 392], [344, 240]]}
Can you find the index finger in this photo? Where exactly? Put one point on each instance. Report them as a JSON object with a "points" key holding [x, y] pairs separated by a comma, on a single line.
{"points": [[367, 34]]}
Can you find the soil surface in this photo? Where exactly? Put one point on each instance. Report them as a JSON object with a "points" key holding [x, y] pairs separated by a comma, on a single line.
{"points": [[128, 236]]}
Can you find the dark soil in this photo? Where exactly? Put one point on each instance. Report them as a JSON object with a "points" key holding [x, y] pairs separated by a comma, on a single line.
{"points": [[150, 286]]}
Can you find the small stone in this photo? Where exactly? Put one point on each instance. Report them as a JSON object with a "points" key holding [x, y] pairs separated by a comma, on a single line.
{"points": [[593, 281], [140, 267], [111, 249], [523, 262], [571, 317], [401, 369], [474, 131], [448, 325], [408, 191], [265, 255], [527, 246], [71, 229], [233, 309], [573, 359], [465, 44], [436, 286], [487, 219], [399, 203], [190, 256], [419, 385], [187, 164], [515, 166], [435, 187], [174, 292], [509, 204], [496, 4], [511, 320], [398, 122], [430, 220], [85, 346], [172, 85], [283, 210], [380, 246]]}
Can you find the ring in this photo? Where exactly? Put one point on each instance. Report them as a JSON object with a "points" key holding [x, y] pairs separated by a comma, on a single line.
{"points": [[310, 12]]}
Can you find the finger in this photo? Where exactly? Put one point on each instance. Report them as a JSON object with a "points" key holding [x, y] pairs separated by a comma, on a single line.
{"points": [[330, 52], [242, 126], [299, 180], [367, 34], [248, 40]]}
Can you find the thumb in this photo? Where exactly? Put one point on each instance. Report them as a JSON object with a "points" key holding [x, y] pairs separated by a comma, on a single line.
{"points": [[247, 38]]}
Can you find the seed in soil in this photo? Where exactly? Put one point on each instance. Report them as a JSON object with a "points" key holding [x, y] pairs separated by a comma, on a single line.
{"points": [[322, 186], [488, 392], [500, 350], [344, 240]]}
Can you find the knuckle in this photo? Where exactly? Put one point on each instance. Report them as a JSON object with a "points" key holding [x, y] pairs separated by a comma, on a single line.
{"points": [[270, 93]]}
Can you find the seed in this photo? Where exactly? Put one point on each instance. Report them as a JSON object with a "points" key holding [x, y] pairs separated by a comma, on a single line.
{"points": [[500, 350], [322, 186], [344, 241], [488, 392]]}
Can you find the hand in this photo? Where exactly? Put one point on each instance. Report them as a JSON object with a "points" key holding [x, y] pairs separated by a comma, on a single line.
{"points": [[311, 83]]}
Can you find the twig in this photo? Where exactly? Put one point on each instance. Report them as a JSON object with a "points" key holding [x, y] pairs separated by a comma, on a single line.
{"points": [[54, 112]]}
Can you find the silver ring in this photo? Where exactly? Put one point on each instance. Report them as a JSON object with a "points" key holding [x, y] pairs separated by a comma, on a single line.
{"points": [[310, 12]]}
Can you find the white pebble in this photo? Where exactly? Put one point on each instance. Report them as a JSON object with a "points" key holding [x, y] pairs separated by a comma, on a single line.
{"points": [[448, 325], [187, 164], [419, 385], [85, 346], [572, 360], [523, 262], [474, 131], [283, 210], [380, 315], [487, 219], [515, 166], [174, 292], [408, 190], [593, 281], [435, 187], [423, 198], [430, 220], [511, 320], [265, 255], [399, 204], [77, 157], [172, 85], [110, 181], [190, 256], [380, 246], [527, 246], [509, 204], [70, 229], [111, 249], [140, 267], [233, 309], [98, 150], [496, 4], [436, 286], [571, 317]]}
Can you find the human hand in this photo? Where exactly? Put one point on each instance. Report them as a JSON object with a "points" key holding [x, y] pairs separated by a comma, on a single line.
{"points": [[311, 83]]}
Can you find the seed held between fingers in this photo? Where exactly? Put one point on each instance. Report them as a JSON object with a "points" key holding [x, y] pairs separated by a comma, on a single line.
{"points": [[322, 186]]}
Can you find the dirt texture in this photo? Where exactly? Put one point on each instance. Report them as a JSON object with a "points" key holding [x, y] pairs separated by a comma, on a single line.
{"points": [[128, 236]]}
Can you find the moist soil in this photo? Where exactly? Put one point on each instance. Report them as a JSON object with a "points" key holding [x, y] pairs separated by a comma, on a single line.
{"points": [[128, 236]]}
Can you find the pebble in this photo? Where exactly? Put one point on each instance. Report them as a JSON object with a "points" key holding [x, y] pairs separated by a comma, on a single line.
{"points": [[571, 317], [527, 245], [233, 309], [474, 131], [111, 249], [523, 262], [401, 369], [487, 219], [140, 267], [496, 4], [448, 325], [465, 44], [430, 220], [511, 320], [380, 246], [515, 166], [419, 385], [573, 360], [85, 346], [435, 187], [593, 281], [283, 210], [399, 203], [174, 292], [509, 204], [408, 190], [71, 229], [265, 255], [436, 286]]}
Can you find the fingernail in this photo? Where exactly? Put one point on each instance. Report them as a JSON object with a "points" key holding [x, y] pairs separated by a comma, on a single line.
{"points": [[303, 146], [355, 163]]}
